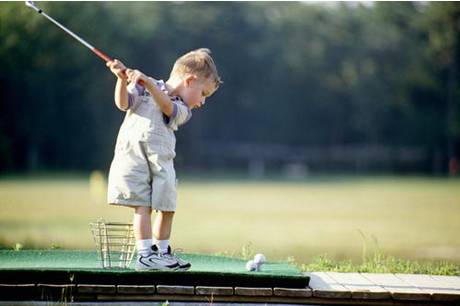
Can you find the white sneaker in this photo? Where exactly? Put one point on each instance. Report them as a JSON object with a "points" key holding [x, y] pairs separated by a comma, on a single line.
{"points": [[156, 261], [183, 265]]}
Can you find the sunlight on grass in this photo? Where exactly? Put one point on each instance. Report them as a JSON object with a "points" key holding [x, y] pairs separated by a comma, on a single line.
{"points": [[413, 218], [381, 263]]}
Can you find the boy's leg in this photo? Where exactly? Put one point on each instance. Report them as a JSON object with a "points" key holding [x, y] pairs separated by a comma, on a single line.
{"points": [[148, 258], [142, 224], [162, 232], [162, 229]]}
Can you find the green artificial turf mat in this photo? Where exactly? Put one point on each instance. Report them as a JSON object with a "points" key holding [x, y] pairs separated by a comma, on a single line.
{"points": [[84, 266], [89, 261]]}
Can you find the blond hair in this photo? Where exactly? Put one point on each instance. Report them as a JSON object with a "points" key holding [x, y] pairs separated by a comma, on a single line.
{"points": [[198, 62]]}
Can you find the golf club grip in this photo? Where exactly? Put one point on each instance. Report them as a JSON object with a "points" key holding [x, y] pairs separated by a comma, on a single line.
{"points": [[107, 58], [102, 55], [140, 82]]}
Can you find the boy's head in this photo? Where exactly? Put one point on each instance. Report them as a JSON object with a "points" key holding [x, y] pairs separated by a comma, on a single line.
{"points": [[198, 72]]}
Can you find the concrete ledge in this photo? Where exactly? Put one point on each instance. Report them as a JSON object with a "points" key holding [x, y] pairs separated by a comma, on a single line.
{"points": [[370, 295], [326, 289], [292, 292], [447, 297], [409, 296], [96, 289], [331, 294], [136, 289], [248, 291], [202, 290], [187, 290]]}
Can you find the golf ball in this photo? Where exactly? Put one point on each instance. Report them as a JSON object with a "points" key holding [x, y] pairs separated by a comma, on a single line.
{"points": [[251, 265], [259, 259]]}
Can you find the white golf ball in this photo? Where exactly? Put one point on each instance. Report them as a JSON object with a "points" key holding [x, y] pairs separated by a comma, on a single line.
{"points": [[251, 265], [259, 259]]}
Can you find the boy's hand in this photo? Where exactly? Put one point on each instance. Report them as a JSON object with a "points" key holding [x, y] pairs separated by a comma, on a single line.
{"points": [[135, 76], [117, 68]]}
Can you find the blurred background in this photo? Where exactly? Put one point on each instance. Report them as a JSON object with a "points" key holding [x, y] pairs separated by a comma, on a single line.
{"points": [[337, 126]]}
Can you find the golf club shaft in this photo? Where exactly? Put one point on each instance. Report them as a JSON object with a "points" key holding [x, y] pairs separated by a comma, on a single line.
{"points": [[96, 51]]}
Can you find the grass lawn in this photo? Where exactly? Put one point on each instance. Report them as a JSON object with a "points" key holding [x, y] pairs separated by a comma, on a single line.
{"points": [[317, 221]]}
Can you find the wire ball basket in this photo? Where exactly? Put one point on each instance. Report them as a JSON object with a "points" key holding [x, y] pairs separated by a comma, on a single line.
{"points": [[115, 243]]}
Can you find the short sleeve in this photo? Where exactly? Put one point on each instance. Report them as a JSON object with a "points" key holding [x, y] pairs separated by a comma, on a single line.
{"points": [[134, 92], [180, 115]]}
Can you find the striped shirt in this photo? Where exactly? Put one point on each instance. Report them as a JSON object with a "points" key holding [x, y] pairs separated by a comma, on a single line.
{"points": [[144, 120], [181, 113]]}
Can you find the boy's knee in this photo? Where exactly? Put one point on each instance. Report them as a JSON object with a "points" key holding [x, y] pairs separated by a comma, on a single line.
{"points": [[167, 214], [143, 210]]}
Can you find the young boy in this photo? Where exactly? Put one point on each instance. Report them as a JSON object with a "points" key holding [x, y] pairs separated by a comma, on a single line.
{"points": [[142, 172]]}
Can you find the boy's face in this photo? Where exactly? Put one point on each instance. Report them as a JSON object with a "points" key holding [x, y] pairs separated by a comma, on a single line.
{"points": [[197, 90]]}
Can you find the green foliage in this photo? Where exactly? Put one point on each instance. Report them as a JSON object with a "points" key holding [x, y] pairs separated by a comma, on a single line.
{"points": [[381, 263], [294, 73], [376, 261], [247, 251], [55, 247]]}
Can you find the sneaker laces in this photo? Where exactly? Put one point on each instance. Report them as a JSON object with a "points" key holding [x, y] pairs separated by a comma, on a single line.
{"points": [[176, 255], [157, 251], [177, 251]]}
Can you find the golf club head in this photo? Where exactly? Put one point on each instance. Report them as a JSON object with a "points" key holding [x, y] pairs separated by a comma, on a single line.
{"points": [[32, 5]]}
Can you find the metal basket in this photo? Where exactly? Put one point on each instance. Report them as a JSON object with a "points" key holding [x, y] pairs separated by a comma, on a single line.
{"points": [[115, 243]]}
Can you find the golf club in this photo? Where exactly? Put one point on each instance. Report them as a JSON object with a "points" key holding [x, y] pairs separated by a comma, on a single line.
{"points": [[96, 51], [99, 53]]}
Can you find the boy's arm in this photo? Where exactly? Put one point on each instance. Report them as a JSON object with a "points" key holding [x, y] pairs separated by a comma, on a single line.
{"points": [[121, 92], [162, 99]]}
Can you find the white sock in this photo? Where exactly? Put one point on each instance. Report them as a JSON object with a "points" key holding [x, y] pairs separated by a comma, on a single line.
{"points": [[163, 246], [144, 247]]}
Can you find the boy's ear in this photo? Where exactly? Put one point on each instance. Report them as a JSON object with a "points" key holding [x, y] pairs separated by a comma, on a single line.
{"points": [[189, 79]]}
